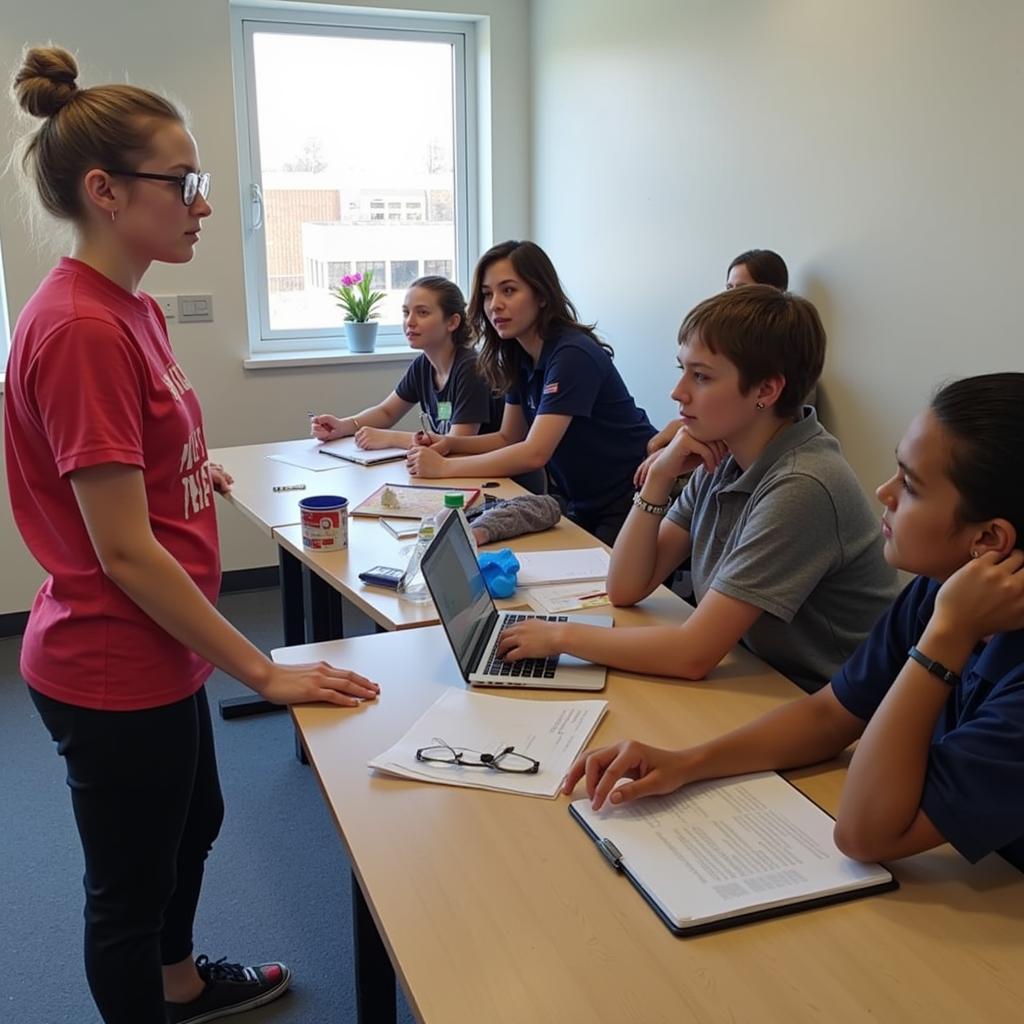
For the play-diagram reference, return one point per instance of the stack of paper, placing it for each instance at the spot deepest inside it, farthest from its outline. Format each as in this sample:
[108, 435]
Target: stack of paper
[573, 566]
[551, 732]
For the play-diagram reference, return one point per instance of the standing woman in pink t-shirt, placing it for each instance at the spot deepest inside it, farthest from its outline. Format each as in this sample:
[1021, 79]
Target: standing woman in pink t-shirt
[112, 491]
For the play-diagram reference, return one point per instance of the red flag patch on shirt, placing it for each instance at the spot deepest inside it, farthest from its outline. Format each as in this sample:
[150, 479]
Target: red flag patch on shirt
[550, 389]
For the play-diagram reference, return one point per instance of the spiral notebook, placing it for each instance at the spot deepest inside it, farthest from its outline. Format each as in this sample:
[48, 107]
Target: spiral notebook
[727, 851]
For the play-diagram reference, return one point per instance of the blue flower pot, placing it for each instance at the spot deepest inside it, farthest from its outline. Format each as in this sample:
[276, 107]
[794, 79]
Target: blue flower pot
[361, 337]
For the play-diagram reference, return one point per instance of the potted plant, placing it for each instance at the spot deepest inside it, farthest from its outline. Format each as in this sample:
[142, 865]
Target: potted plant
[360, 304]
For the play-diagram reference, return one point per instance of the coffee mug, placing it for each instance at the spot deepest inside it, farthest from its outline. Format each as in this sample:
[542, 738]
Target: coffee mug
[324, 522]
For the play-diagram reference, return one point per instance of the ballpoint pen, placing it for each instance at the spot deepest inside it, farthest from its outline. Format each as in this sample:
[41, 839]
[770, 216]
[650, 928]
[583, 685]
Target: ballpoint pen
[289, 487]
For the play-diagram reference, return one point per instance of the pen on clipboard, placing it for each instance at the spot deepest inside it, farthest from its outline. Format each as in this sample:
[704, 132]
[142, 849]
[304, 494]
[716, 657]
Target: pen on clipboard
[587, 597]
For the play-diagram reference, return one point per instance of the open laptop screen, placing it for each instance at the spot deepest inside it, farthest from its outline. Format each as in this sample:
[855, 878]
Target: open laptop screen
[459, 592]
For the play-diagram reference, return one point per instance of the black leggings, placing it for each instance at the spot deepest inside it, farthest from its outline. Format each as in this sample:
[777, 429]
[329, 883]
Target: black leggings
[148, 806]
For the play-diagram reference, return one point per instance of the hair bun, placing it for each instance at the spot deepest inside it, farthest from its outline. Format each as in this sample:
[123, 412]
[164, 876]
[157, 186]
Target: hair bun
[46, 80]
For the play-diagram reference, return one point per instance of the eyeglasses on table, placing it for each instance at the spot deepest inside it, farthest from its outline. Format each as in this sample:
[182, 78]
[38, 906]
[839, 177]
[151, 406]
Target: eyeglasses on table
[506, 759]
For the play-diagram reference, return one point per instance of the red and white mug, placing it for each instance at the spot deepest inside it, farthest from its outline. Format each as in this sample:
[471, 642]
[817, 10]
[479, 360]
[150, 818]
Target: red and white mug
[324, 522]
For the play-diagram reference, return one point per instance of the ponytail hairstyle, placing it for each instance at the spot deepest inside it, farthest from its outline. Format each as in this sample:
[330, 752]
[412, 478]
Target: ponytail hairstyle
[764, 266]
[104, 126]
[985, 418]
[500, 360]
[451, 300]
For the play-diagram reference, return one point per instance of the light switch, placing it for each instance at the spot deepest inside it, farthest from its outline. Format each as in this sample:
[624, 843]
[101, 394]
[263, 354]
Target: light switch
[195, 309]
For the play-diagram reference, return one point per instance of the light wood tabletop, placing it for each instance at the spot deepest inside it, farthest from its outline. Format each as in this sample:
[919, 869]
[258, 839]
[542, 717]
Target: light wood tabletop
[370, 544]
[498, 908]
[256, 475]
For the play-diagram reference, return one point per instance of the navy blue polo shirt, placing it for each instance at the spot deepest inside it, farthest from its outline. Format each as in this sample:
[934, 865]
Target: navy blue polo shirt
[465, 398]
[594, 463]
[974, 787]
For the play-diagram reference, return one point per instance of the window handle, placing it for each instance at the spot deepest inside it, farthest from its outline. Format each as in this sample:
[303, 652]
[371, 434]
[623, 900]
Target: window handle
[256, 198]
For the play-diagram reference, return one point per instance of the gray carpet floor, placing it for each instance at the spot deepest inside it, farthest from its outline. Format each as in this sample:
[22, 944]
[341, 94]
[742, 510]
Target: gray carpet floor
[277, 881]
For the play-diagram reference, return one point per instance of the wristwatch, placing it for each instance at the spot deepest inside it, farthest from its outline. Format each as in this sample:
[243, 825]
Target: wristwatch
[655, 510]
[948, 676]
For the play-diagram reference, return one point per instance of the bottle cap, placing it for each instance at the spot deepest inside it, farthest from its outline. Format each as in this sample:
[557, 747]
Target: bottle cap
[454, 500]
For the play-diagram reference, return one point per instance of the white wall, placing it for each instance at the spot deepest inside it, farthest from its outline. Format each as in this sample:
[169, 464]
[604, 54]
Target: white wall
[183, 49]
[876, 145]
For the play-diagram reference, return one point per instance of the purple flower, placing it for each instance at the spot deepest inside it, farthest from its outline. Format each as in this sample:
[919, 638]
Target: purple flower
[348, 280]
[356, 278]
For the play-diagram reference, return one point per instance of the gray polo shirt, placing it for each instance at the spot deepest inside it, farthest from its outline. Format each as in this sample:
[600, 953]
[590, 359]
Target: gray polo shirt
[796, 536]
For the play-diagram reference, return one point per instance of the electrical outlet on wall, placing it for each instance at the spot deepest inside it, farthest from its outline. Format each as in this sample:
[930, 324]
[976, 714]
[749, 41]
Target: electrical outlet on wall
[169, 304]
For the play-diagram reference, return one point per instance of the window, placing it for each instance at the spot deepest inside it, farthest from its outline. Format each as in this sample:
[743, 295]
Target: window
[403, 273]
[437, 268]
[336, 270]
[376, 267]
[343, 176]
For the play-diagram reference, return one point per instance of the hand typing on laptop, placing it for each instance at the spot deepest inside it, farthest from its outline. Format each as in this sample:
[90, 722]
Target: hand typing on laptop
[533, 638]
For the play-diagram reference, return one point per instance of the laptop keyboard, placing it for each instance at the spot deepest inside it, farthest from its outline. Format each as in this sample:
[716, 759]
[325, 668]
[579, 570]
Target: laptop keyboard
[528, 668]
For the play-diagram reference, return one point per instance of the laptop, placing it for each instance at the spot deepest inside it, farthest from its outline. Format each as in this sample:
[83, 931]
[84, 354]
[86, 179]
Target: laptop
[473, 624]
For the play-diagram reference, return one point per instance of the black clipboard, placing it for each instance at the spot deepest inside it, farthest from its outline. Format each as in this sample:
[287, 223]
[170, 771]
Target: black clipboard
[614, 858]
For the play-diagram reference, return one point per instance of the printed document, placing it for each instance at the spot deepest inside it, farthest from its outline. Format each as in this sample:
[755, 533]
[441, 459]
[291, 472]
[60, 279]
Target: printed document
[716, 849]
[552, 732]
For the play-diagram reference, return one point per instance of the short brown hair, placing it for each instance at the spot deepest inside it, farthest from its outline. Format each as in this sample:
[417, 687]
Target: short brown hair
[764, 333]
[105, 126]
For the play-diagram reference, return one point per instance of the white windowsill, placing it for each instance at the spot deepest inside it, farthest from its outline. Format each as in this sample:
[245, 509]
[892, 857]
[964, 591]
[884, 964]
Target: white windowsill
[326, 357]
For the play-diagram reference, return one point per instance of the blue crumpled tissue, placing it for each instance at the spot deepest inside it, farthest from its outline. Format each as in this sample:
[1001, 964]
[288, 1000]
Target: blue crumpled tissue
[499, 569]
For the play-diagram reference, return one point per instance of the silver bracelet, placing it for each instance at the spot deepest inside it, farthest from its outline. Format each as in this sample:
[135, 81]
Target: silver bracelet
[654, 510]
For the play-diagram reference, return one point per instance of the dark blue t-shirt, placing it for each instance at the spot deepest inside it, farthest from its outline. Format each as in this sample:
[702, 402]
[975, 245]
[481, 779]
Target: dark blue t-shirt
[594, 463]
[465, 397]
[974, 786]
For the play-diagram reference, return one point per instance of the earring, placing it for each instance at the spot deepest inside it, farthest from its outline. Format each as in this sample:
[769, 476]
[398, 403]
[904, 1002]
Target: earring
[113, 216]
[760, 405]
[974, 554]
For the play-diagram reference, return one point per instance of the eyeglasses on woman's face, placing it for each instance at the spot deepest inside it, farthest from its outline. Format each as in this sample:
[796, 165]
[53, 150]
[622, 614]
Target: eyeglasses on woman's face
[192, 184]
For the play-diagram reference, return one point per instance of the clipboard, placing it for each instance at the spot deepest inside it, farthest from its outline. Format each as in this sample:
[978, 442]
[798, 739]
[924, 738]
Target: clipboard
[617, 860]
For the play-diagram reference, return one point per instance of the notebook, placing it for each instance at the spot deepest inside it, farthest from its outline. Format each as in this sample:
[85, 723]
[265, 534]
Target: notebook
[576, 565]
[401, 529]
[473, 624]
[347, 449]
[727, 851]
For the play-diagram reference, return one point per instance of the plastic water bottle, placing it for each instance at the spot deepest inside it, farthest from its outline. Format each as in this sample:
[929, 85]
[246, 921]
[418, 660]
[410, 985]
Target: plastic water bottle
[412, 585]
[455, 504]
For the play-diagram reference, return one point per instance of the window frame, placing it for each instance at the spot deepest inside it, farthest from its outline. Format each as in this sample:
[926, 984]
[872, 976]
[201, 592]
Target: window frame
[285, 19]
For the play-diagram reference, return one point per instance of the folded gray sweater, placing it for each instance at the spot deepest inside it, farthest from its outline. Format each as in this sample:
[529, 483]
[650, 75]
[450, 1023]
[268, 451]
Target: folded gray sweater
[511, 517]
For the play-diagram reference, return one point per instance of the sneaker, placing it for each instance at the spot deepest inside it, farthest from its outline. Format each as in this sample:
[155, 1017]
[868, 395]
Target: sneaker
[230, 988]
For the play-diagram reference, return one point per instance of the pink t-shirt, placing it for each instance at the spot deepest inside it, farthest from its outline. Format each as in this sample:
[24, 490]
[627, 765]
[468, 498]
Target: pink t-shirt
[92, 380]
